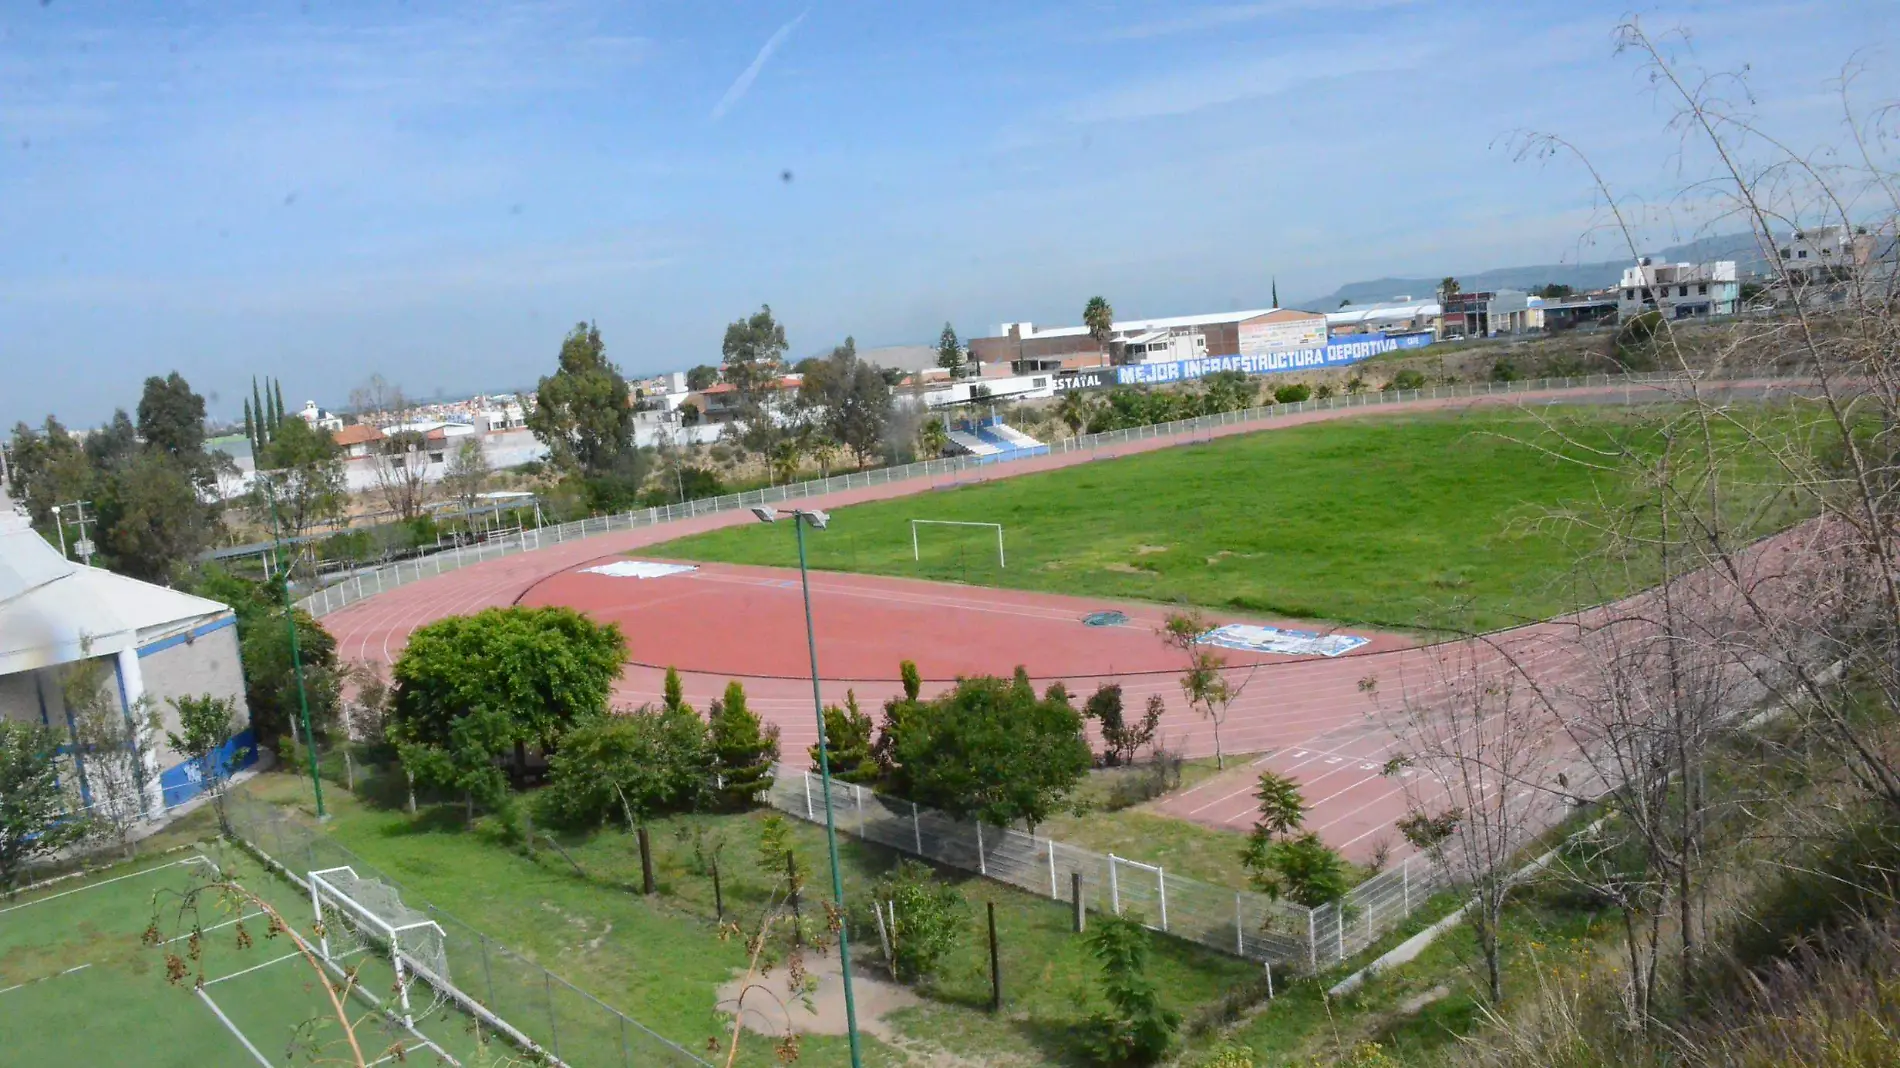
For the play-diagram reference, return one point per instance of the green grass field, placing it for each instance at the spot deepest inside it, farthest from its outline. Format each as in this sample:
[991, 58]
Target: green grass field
[1406, 521]
[662, 961]
[80, 985]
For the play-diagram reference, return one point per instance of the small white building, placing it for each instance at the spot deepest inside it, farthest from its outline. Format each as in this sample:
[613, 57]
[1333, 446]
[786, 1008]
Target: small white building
[979, 390]
[320, 418]
[153, 645]
[1679, 290]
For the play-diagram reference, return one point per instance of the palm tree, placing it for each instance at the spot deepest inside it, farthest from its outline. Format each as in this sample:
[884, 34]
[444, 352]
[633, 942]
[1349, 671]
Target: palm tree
[785, 457]
[825, 451]
[1075, 409]
[932, 438]
[1099, 317]
[1449, 288]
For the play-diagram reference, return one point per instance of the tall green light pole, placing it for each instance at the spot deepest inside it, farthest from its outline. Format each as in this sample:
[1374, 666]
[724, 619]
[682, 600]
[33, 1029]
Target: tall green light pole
[818, 520]
[296, 655]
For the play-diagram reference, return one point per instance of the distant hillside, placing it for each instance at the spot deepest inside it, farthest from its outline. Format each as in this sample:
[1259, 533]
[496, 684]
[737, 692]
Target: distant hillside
[1738, 247]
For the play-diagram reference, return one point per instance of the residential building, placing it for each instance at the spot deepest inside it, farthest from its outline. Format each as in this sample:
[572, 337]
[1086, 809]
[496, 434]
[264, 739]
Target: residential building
[1826, 253]
[357, 440]
[319, 417]
[1029, 350]
[1679, 290]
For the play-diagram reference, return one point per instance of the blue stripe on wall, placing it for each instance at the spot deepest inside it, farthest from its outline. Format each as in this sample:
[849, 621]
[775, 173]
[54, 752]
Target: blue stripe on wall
[179, 639]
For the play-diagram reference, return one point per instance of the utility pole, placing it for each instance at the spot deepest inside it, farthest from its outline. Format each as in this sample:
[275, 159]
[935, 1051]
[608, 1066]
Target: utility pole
[296, 655]
[83, 546]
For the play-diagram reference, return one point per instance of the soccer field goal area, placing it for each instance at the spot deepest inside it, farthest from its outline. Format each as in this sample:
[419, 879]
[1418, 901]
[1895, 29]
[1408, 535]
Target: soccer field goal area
[916, 539]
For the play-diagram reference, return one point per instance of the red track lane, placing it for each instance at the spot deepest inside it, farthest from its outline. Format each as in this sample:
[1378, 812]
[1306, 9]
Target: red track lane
[1305, 717]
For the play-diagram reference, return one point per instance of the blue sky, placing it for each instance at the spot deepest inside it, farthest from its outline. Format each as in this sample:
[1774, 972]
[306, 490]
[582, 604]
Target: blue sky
[437, 191]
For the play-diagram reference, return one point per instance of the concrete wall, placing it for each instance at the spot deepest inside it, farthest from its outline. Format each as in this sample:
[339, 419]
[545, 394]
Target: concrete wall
[206, 664]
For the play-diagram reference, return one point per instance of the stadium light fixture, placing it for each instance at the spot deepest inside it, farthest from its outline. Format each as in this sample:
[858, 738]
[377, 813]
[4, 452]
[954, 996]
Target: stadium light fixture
[819, 520]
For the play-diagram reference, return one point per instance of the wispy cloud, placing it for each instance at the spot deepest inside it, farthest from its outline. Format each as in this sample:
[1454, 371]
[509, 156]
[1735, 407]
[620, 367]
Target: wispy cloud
[1225, 15]
[1195, 88]
[743, 83]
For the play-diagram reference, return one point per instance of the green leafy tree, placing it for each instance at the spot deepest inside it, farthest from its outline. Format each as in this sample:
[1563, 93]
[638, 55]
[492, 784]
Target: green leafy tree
[847, 743]
[581, 411]
[743, 750]
[1282, 808]
[113, 445]
[897, 713]
[950, 352]
[1122, 739]
[172, 419]
[754, 353]
[35, 802]
[927, 918]
[1099, 317]
[932, 438]
[469, 688]
[1136, 1029]
[852, 399]
[48, 468]
[301, 472]
[1301, 869]
[632, 765]
[700, 377]
[1293, 394]
[152, 521]
[206, 725]
[1075, 410]
[673, 693]
[1405, 380]
[1204, 683]
[991, 749]
[1229, 391]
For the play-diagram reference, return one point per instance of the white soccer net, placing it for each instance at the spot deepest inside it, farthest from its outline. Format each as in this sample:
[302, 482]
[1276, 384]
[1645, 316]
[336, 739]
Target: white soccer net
[360, 914]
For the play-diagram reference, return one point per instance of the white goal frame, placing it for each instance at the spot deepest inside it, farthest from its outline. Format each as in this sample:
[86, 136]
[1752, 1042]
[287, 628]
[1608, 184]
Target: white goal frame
[916, 552]
[322, 890]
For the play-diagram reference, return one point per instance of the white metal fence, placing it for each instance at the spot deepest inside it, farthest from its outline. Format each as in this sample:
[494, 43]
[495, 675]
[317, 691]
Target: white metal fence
[368, 583]
[1241, 922]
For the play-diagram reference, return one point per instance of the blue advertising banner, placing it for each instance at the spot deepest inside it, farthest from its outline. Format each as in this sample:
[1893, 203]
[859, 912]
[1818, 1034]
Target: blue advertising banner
[1333, 354]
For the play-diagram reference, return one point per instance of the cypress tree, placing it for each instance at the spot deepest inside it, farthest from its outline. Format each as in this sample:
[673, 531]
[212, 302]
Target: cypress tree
[743, 751]
[674, 695]
[257, 409]
[250, 428]
[277, 388]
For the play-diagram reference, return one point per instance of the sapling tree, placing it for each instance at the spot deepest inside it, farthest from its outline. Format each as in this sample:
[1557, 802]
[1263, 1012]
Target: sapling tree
[37, 815]
[206, 726]
[1205, 683]
[1136, 1029]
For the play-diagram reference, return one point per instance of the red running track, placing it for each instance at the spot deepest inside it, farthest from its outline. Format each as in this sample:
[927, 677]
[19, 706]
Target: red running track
[1306, 717]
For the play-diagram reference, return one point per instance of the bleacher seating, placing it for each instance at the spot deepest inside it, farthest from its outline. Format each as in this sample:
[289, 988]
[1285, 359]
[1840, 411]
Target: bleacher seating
[966, 442]
[1010, 437]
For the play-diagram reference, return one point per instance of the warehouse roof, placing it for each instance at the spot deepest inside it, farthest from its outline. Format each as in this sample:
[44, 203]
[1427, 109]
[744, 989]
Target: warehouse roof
[53, 611]
[1127, 326]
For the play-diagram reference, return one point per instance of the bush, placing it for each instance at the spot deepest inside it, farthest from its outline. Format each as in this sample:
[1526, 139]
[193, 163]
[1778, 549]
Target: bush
[1635, 343]
[1406, 380]
[926, 919]
[1293, 394]
[1505, 371]
[1136, 1029]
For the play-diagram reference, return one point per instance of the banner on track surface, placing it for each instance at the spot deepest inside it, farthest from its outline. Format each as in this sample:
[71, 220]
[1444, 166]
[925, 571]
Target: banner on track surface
[640, 569]
[1252, 639]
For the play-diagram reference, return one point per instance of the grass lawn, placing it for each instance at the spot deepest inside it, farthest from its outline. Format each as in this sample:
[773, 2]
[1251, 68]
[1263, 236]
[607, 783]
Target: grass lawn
[78, 984]
[661, 960]
[1398, 521]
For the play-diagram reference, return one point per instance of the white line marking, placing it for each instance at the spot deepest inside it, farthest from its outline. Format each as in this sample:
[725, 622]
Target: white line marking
[226, 1020]
[91, 886]
[213, 927]
[44, 978]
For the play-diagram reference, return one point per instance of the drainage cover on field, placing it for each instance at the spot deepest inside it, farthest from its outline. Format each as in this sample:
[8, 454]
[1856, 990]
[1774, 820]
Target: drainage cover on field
[640, 569]
[1110, 618]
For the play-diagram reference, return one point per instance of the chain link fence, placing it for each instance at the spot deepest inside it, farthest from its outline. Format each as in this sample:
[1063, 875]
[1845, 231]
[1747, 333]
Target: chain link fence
[1244, 923]
[534, 1007]
[372, 581]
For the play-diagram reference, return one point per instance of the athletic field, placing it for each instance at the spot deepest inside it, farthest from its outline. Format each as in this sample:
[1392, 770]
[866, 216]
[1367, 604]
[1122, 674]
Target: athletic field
[84, 963]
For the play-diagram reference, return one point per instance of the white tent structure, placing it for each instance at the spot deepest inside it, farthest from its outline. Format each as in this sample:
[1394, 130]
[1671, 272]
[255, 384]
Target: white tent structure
[159, 644]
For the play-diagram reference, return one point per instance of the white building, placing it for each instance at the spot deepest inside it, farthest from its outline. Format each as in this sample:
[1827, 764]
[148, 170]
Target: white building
[153, 645]
[320, 418]
[1679, 290]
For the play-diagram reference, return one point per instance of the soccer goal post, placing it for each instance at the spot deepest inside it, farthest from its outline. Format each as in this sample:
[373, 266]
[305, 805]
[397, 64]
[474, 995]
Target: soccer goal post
[916, 549]
[369, 914]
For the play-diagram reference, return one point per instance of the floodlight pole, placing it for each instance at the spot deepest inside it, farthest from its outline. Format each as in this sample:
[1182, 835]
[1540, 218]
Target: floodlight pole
[296, 655]
[824, 773]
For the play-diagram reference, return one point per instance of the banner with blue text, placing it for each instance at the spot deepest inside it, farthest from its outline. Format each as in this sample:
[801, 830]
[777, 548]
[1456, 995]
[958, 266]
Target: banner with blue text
[1333, 354]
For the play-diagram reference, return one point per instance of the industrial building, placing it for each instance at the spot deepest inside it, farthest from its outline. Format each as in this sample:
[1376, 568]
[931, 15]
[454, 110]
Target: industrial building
[1029, 350]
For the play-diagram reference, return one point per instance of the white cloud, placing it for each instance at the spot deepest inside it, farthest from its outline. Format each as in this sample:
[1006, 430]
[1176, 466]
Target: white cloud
[1198, 87]
[1225, 15]
[743, 83]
